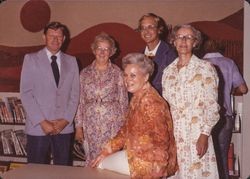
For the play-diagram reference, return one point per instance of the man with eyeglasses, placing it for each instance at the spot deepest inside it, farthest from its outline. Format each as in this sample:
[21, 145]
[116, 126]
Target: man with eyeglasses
[153, 30]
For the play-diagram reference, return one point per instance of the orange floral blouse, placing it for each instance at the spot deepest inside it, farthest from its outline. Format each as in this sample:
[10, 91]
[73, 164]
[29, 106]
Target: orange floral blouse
[148, 137]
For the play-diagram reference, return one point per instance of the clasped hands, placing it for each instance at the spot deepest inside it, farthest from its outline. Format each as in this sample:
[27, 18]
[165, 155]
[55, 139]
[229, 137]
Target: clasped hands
[53, 127]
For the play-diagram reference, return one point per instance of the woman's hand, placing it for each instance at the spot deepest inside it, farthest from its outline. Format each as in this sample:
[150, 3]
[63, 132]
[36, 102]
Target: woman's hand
[79, 135]
[94, 163]
[202, 145]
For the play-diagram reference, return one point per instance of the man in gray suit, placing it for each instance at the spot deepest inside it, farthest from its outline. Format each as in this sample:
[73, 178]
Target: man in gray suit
[50, 94]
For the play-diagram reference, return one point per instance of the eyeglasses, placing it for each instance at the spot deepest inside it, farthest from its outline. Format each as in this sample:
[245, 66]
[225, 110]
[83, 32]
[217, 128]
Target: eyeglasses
[104, 49]
[149, 27]
[189, 38]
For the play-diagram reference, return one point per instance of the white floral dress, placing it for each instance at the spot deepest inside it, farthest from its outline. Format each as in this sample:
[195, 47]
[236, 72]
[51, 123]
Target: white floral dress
[192, 95]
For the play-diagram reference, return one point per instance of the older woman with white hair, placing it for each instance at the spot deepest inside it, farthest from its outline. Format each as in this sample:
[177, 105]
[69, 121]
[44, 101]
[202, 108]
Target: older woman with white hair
[147, 136]
[103, 99]
[190, 86]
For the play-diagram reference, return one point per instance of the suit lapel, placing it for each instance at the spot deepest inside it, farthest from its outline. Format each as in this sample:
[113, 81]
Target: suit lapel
[64, 69]
[160, 50]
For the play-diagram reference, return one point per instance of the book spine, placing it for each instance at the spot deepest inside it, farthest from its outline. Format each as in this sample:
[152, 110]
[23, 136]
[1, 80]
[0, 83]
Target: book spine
[231, 159]
[17, 146]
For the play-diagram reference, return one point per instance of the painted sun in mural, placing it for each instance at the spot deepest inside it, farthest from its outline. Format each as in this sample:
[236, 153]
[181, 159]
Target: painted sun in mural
[34, 15]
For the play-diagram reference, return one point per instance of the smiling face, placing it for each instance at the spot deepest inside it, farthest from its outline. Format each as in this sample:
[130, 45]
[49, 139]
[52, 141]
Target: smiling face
[53, 40]
[134, 78]
[185, 41]
[102, 51]
[149, 31]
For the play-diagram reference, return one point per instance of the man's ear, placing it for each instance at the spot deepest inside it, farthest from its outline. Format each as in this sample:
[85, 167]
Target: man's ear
[44, 37]
[159, 32]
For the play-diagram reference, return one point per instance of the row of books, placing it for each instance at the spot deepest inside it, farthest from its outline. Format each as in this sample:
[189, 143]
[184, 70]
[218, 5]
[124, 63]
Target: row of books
[13, 142]
[11, 111]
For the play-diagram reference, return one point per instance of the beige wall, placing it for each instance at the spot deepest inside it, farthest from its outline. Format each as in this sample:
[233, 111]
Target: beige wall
[245, 163]
[82, 14]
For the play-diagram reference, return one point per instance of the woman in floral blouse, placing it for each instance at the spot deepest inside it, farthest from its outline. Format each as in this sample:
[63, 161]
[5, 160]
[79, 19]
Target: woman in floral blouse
[147, 136]
[103, 98]
[190, 85]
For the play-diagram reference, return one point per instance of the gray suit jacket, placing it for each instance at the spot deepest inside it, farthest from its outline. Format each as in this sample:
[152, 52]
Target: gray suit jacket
[40, 96]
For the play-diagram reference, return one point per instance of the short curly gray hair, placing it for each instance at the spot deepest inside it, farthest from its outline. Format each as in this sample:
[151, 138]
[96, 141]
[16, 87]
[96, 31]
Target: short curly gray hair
[197, 34]
[104, 37]
[145, 64]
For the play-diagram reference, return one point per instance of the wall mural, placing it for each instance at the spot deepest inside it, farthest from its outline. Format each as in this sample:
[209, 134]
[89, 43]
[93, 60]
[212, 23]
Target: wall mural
[228, 31]
[35, 15]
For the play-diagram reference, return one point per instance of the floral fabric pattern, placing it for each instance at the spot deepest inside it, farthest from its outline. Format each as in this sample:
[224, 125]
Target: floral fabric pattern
[192, 94]
[147, 137]
[102, 107]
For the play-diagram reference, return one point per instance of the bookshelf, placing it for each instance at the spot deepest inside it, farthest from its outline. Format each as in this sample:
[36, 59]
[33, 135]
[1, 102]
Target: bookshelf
[16, 125]
[235, 164]
[10, 122]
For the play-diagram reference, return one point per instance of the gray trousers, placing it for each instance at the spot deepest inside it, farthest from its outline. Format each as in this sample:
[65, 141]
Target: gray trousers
[222, 134]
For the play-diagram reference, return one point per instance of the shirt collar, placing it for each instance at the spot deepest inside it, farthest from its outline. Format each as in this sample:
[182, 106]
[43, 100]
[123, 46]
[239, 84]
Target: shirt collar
[152, 52]
[213, 55]
[49, 54]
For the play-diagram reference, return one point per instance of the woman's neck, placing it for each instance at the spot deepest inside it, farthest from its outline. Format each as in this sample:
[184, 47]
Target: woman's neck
[144, 87]
[101, 66]
[184, 58]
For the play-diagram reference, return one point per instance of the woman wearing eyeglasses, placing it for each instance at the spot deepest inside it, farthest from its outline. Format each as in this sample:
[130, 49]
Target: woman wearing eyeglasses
[103, 99]
[190, 86]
